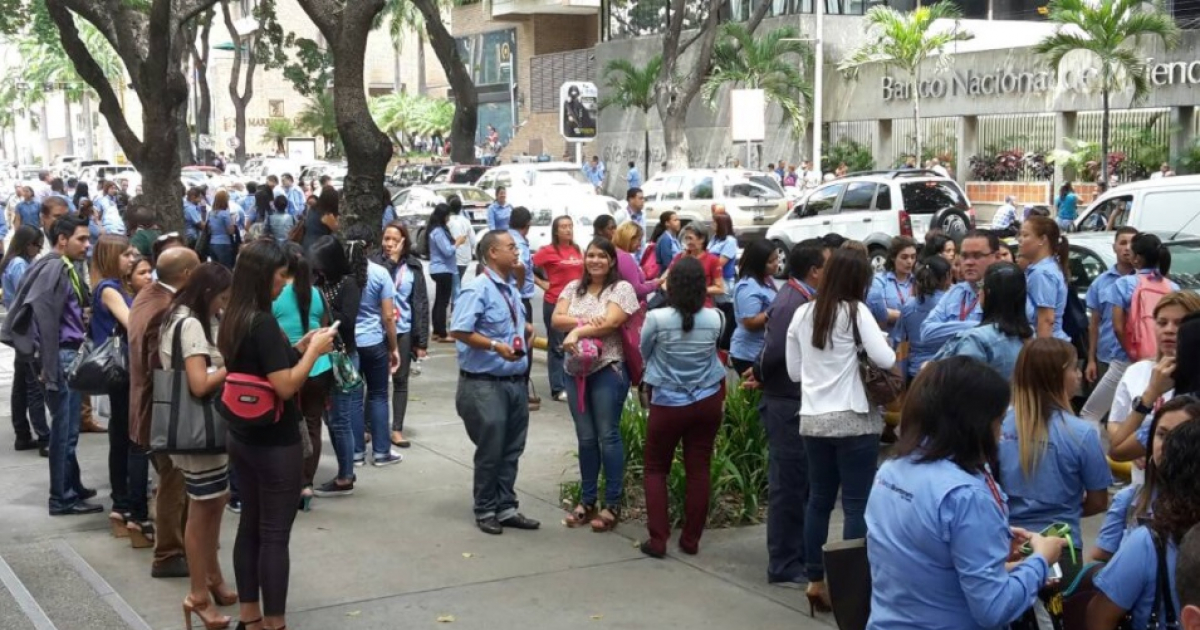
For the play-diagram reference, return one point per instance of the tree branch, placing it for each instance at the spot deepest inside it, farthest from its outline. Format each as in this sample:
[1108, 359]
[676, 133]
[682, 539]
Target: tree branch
[323, 13]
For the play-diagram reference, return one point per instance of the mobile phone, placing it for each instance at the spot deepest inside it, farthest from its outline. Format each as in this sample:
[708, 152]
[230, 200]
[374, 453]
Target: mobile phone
[1054, 530]
[1055, 572]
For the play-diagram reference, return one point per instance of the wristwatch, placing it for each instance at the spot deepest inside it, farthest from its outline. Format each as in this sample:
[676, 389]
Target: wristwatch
[493, 346]
[1141, 407]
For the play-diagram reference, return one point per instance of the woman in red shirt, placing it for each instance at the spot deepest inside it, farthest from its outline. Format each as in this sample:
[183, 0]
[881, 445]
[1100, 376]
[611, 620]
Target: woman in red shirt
[563, 262]
[695, 245]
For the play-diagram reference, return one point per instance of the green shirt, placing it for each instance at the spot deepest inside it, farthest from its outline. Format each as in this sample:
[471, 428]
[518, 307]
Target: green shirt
[144, 239]
[287, 311]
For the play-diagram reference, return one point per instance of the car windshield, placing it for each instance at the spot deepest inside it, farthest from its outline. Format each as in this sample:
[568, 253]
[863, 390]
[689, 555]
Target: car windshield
[1185, 264]
[560, 177]
[751, 189]
[542, 217]
[929, 197]
[468, 195]
[767, 182]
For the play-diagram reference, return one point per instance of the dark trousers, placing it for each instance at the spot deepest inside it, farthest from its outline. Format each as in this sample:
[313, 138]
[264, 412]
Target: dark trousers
[696, 425]
[125, 460]
[496, 416]
[314, 399]
[223, 254]
[28, 403]
[787, 495]
[170, 510]
[400, 381]
[443, 284]
[554, 352]
[270, 482]
[848, 463]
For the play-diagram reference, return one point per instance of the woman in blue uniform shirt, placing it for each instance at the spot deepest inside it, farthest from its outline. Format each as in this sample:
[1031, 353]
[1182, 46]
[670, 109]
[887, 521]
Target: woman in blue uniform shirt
[999, 337]
[1127, 584]
[752, 295]
[938, 537]
[1046, 250]
[932, 281]
[1051, 462]
[1152, 260]
[893, 288]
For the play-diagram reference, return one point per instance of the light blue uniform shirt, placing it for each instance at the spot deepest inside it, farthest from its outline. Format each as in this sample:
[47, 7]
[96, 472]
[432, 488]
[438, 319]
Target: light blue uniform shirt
[888, 293]
[218, 227]
[11, 281]
[402, 281]
[527, 289]
[937, 540]
[249, 210]
[666, 249]
[1121, 292]
[1130, 579]
[110, 215]
[30, 213]
[490, 306]
[1072, 464]
[64, 197]
[1116, 521]
[1108, 348]
[908, 328]
[191, 220]
[295, 199]
[441, 252]
[726, 247]
[987, 344]
[959, 310]
[368, 328]
[749, 300]
[389, 215]
[1047, 288]
[498, 216]
[634, 178]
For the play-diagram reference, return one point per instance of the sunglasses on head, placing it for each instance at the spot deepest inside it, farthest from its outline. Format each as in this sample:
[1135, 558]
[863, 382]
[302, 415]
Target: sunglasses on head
[168, 236]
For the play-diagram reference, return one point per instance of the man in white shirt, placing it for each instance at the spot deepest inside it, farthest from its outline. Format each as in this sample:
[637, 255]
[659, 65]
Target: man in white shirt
[809, 178]
[1164, 170]
[936, 166]
[460, 225]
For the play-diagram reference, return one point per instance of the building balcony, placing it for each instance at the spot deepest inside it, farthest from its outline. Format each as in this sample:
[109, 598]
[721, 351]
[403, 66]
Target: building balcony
[511, 8]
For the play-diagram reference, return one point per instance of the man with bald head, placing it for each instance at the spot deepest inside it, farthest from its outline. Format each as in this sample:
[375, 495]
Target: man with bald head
[175, 266]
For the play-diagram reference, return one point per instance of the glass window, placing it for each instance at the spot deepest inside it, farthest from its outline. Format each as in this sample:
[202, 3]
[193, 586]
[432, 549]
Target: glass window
[858, 197]
[768, 182]
[1185, 264]
[468, 195]
[1085, 266]
[504, 179]
[883, 199]
[399, 199]
[1115, 210]
[703, 189]
[750, 190]
[929, 197]
[559, 178]
[672, 189]
[821, 200]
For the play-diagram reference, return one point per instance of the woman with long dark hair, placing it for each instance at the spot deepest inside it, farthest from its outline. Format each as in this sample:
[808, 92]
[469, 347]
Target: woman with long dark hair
[594, 308]
[268, 459]
[263, 205]
[442, 267]
[323, 218]
[28, 399]
[81, 193]
[563, 262]
[930, 283]
[1052, 465]
[412, 317]
[341, 290]
[1152, 260]
[1047, 253]
[299, 309]
[1004, 329]
[936, 498]
[892, 288]
[753, 294]
[666, 239]
[687, 381]
[840, 426]
[192, 322]
[695, 241]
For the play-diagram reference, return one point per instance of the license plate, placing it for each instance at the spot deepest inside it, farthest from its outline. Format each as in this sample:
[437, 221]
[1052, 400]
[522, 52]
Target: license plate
[758, 212]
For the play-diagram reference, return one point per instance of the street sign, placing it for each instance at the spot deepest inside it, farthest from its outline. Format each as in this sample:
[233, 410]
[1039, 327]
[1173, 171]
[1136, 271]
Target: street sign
[233, 143]
[747, 115]
[205, 142]
[577, 111]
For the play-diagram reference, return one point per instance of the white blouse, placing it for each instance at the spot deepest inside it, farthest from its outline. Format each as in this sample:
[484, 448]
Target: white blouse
[829, 378]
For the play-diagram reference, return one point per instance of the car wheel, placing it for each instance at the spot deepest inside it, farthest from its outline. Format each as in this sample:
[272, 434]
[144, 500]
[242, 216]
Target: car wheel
[878, 258]
[954, 223]
[781, 252]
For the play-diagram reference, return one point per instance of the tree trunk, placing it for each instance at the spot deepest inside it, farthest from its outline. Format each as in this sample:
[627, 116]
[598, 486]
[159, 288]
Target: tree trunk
[466, 99]
[675, 138]
[70, 125]
[421, 63]
[1104, 130]
[44, 127]
[646, 144]
[89, 134]
[183, 138]
[204, 107]
[240, 100]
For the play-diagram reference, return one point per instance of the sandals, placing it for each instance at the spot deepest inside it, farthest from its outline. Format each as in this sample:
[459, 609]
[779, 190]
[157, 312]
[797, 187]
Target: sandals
[581, 515]
[606, 520]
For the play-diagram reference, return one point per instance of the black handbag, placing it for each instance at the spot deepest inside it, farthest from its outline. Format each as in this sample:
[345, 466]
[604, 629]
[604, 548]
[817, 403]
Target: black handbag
[181, 423]
[848, 576]
[96, 369]
[882, 386]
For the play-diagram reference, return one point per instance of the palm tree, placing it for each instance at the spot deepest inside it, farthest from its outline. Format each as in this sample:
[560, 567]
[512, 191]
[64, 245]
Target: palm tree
[631, 87]
[320, 119]
[278, 130]
[1111, 32]
[403, 16]
[906, 40]
[404, 116]
[768, 63]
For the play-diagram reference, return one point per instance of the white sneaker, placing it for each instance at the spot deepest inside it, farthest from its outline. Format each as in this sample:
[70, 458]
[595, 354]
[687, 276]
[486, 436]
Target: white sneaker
[561, 397]
[387, 460]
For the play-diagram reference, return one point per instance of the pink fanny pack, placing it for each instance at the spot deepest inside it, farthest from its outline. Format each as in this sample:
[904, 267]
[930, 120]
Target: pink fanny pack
[581, 365]
[249, 399]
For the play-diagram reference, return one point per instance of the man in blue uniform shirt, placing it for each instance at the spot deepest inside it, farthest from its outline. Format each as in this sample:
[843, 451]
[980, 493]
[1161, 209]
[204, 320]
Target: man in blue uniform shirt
[492, 335]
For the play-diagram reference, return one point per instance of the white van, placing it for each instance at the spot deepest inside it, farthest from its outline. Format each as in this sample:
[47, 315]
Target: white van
[1170, 205]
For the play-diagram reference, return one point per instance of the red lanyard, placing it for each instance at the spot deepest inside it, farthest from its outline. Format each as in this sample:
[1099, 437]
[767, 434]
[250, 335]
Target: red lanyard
[512, 308]
[995, 492]
[900, 294]
[800, 287]
[967, 309]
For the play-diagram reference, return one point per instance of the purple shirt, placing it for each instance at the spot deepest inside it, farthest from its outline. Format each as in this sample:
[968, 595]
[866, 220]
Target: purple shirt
[629, 271]
[71, 332]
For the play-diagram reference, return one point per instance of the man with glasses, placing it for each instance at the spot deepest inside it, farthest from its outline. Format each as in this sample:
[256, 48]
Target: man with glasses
[959, 308]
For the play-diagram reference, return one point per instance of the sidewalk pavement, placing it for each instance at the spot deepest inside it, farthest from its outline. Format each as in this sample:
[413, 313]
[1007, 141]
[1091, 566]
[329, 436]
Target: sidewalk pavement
[402, 552]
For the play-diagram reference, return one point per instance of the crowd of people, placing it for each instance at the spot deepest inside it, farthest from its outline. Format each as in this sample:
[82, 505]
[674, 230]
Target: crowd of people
[266, 289]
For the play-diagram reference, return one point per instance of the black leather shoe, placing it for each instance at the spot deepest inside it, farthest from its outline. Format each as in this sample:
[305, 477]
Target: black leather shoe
[87, 493]
[176, 567]
[81, 507]
[25, 444]
[44, 451]
[520, 521]
[489, 525]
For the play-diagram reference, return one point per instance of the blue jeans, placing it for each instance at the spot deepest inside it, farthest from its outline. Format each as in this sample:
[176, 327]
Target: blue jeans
[496, 416]
[374, 361]
[65, 482]
[456, 284]
[346, 411]
[849, 463]
[223, 253]
[554, 352]
[787, 494]
[598, 429]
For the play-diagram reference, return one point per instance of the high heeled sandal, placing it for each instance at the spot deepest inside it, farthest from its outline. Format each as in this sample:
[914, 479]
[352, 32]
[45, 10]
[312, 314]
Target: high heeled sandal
[601, 523]
[116, 521]
[141, 535]
[817, 603]
[222, 596]
[581, 515]
[193, 608]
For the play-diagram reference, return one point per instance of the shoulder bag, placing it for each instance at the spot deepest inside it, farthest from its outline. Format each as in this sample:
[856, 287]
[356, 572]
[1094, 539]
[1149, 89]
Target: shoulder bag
[881, 386]
[97, 368]
[180, 422]
[346, 377]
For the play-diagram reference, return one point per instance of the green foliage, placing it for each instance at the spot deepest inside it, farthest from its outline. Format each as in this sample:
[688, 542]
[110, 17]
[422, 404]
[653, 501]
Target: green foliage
[855, 155]
[45, 61]
[405, 115]
[1146, 150]
[770, 63]
[320, 119]
[304, 63]
[628, 86]
[738, 471]
[1189, 162]
[278, 130]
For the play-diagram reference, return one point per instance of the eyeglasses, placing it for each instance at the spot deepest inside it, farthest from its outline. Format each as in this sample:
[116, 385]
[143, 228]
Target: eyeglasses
[976, 255]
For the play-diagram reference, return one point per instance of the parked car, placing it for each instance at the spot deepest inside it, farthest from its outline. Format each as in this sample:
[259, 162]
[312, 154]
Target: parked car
[93, 175]
[459, 174]
[873, 207]
[414, 204]
[752, 200]
[558, 188]
[65, 165]
[1170, 205]
[405, 175]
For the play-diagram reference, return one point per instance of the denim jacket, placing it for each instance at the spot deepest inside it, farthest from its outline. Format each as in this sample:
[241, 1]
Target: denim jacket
[682, 361]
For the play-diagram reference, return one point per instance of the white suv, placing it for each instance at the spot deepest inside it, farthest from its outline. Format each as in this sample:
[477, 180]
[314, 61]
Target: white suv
[752, 200]
[875, 206]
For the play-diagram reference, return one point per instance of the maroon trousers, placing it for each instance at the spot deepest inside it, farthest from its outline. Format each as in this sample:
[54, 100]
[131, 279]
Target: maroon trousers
[696, 425]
